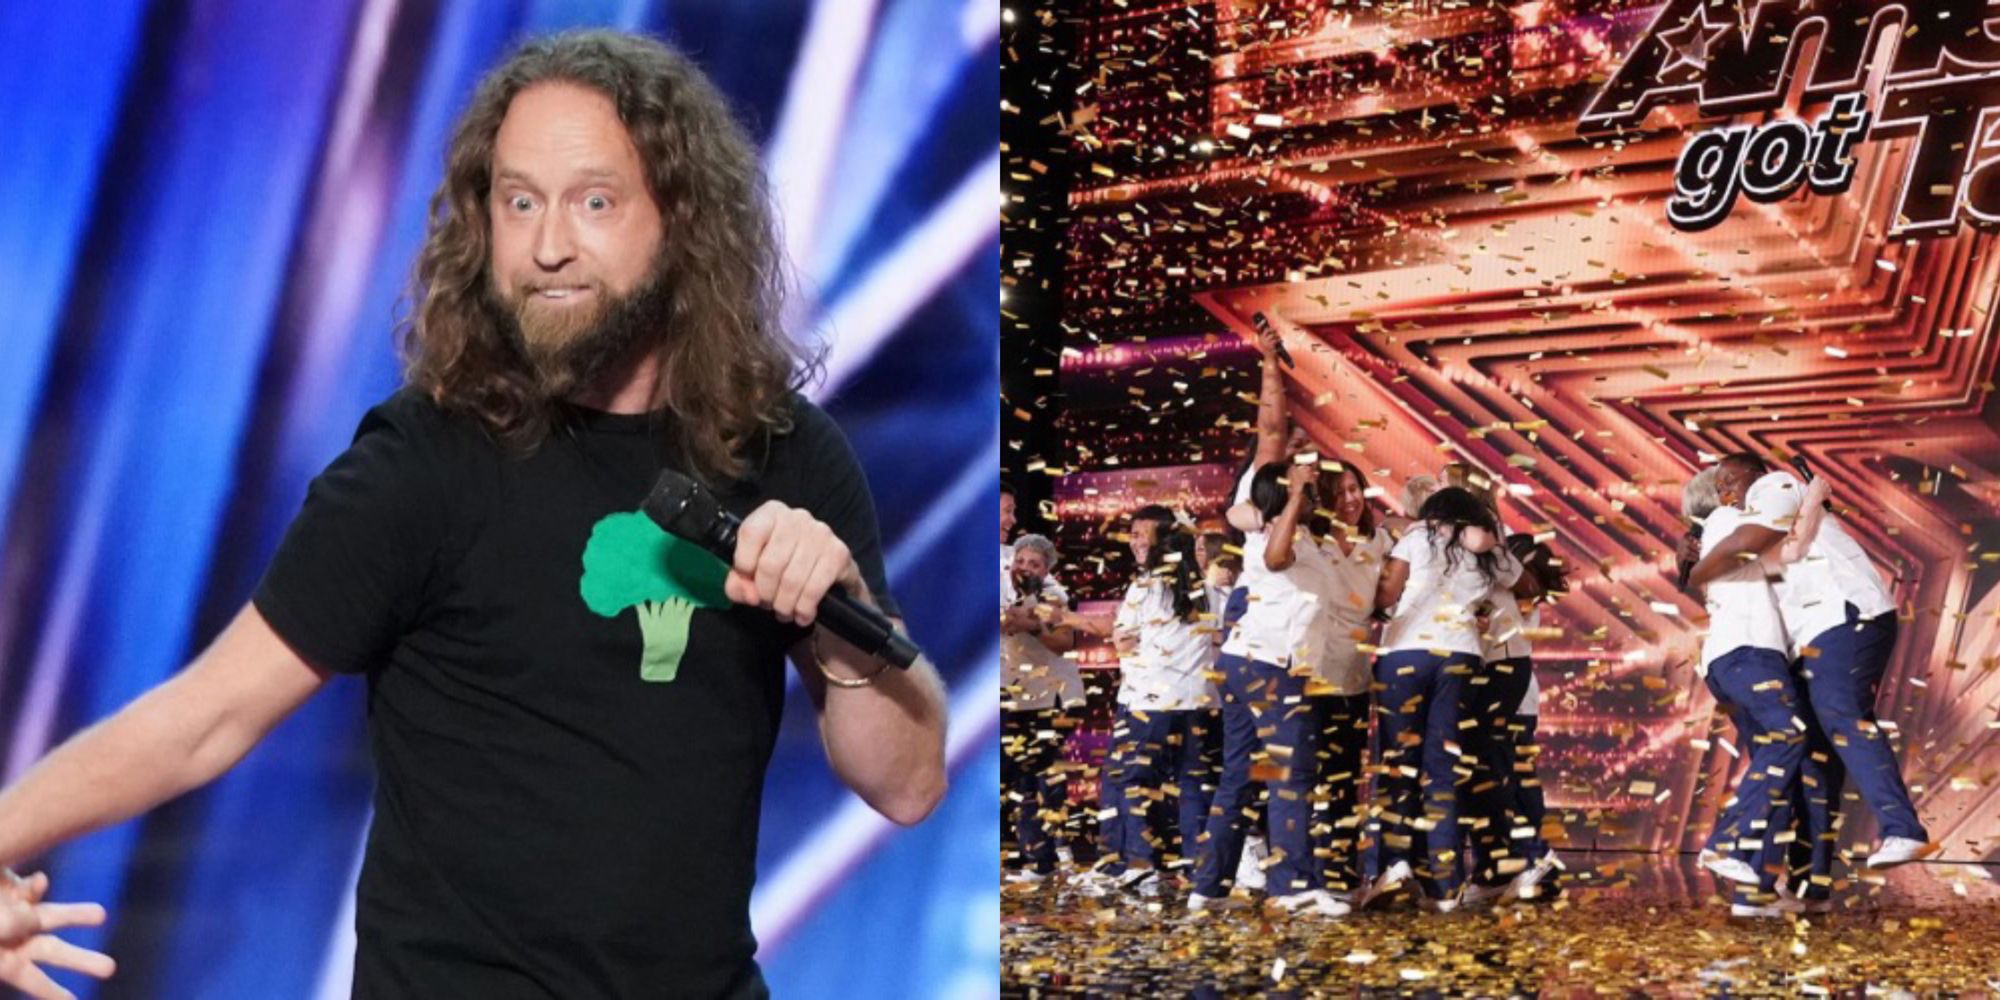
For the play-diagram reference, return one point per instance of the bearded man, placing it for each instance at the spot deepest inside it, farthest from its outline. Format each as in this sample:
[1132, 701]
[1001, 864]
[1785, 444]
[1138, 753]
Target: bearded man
[570, 711]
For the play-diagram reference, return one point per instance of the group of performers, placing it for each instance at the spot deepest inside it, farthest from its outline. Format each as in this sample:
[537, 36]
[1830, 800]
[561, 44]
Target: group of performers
[1262, 660]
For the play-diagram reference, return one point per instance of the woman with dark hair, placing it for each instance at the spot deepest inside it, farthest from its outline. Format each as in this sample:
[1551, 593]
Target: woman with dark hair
[1267, 664]
[1355, 547]
[1512, 856]
[1164, 729]
[1443, 569]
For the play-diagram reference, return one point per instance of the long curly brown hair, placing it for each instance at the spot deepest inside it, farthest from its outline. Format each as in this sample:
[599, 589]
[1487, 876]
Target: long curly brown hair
[726, 367]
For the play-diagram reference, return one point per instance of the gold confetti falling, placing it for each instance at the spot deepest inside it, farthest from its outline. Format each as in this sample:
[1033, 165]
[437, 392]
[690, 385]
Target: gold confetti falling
[1629, 927]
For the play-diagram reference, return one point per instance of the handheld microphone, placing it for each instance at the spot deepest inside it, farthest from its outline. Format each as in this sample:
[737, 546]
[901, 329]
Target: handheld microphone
[1264, 327]
[1688, 567]
[1805, 473]
[681, 507]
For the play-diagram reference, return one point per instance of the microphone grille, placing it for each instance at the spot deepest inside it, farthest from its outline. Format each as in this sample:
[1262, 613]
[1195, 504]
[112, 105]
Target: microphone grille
[679, 505]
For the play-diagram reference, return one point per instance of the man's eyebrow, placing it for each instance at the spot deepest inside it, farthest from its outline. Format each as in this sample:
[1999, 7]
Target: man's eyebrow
[588, 174]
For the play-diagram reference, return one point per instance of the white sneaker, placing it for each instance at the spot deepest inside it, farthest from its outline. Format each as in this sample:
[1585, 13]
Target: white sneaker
[1026, 875]
[1094, 882]
[1314, 902]
[1198, 903]
[1392, 880]
[1474, 896]
[1445, 905]
[1250, 870]
[1733, 869]
[1143, 881]
[1900, 850]
[1527, 884]
[1749, 912]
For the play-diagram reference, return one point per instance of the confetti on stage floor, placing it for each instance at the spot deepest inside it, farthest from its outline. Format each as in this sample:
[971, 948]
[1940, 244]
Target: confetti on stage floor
[1632, 925]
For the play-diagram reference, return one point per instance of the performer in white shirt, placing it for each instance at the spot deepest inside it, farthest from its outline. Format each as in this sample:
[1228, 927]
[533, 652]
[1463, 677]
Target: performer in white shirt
[1355, 549]
[1512, 856]
[1745, 667]
[1164, 696]
[1445, 566]
[1266, 663]
[1038, 686]
[1841, 619]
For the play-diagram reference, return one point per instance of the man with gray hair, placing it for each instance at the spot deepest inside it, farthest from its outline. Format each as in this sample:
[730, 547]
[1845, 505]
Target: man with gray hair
[1037, 683]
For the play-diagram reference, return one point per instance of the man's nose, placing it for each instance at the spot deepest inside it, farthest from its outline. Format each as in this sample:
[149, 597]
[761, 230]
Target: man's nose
[555, 242]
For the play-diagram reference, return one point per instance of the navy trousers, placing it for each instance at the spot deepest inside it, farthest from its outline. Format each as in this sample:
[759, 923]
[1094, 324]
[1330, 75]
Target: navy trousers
[1421, 764]
[1264, 710]
[1771, 729]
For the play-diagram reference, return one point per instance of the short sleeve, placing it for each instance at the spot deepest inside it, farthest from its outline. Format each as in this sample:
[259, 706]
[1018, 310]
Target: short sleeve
[1128, 609]
[1509, 570]
[842, 500]
[349, 577]
[1773, 501]
[1718, 525]
[1243, 482]
[1414, 546]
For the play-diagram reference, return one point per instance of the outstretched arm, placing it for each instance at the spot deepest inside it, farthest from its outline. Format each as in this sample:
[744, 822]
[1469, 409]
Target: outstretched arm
[174, 738]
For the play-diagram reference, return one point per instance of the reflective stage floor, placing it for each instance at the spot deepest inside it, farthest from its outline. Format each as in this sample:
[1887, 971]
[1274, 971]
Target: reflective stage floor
[1627, 924]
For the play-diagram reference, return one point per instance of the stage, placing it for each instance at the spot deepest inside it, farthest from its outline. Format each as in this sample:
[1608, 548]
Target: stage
[1635, 924]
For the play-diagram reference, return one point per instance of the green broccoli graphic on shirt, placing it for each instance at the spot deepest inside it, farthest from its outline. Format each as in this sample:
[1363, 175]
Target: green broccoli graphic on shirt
[631, 563]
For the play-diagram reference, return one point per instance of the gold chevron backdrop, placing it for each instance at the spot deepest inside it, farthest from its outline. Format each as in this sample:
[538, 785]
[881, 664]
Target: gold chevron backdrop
[1461, 276]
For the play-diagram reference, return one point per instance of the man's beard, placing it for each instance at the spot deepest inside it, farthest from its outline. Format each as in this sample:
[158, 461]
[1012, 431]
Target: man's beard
[570, 350]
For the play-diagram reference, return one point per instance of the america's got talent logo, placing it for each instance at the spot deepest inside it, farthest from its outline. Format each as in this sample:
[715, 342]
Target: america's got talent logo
[1732, 57]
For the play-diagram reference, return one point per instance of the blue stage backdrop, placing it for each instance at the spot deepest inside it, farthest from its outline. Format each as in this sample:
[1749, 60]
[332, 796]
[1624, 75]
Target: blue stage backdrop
[210, 210]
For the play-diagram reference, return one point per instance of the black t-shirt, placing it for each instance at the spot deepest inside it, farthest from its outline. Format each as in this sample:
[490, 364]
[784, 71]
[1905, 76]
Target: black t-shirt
[570, 723]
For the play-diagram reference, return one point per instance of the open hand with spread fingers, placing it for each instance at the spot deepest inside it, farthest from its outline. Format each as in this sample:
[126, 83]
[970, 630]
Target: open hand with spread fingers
[27, 944]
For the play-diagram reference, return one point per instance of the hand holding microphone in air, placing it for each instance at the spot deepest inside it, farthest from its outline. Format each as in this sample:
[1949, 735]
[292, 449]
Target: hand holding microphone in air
[1269, 342]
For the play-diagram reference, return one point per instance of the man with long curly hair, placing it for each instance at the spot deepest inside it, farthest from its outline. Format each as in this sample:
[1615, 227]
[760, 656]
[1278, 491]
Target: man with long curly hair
[571, 712]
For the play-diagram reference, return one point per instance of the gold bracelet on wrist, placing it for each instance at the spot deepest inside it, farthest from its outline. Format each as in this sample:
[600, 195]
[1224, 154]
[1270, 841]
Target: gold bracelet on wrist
[837, 680]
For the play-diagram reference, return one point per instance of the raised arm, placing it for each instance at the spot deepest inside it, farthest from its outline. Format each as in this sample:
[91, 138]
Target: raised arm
[1273, 424]
[1244, 517]
[1278, 552]
[1812, 512]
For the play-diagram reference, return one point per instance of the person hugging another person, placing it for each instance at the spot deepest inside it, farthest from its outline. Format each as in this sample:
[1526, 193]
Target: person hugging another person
[1512, 856]
[1743, 663]
[1443, 569]
[1840, 620]
[1272, 655]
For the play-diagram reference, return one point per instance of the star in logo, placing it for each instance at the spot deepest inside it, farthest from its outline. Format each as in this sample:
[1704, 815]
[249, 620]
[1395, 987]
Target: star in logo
[1694, 42]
